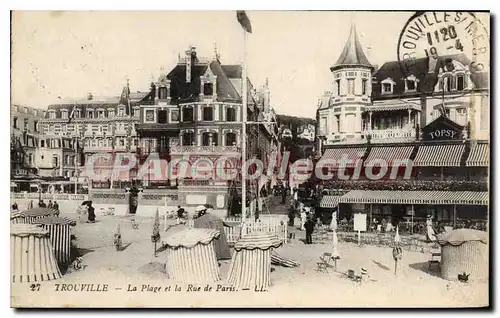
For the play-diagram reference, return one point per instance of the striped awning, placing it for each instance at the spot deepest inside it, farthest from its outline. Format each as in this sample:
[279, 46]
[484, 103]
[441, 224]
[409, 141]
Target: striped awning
[353, 154]
[329, 201]
[415, 197]
[388, 155]
[478, 156]
[439, 155]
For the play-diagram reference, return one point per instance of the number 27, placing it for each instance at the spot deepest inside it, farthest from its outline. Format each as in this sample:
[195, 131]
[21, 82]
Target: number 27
[35, 287]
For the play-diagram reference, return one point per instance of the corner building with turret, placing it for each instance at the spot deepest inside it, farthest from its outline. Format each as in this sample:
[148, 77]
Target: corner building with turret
[427, 121]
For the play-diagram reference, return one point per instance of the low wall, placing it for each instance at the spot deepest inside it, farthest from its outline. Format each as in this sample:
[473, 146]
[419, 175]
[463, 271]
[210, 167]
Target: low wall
[65, 206]
[68, 203]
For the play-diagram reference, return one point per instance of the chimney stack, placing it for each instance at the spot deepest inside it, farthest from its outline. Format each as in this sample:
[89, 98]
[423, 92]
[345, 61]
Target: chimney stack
[89, 96]
[190, 54]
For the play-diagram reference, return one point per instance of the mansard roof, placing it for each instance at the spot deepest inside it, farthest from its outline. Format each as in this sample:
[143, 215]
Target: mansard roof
[419, 68]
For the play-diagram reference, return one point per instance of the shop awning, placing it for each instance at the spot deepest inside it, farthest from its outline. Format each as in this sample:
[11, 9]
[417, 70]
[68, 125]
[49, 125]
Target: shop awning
[388, 154]
[439, 156]
[415, 197]
[352, 154]
[329, 201]
[478, 156]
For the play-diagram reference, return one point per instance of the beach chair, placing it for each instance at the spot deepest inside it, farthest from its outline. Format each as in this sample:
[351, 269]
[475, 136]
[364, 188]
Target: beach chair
[352, 276]
[435, 259]
[325, 262]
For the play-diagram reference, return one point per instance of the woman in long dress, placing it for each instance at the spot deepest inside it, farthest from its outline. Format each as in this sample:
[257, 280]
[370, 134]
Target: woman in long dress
[431, 234]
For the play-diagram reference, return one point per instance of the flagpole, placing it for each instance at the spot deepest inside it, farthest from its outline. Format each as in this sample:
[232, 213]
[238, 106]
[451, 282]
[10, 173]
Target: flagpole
[76, 156]
[244, 133]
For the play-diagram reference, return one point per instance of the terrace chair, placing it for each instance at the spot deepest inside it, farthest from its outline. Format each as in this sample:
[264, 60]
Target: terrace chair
[325, 262]
[352, 276]
[435, 259]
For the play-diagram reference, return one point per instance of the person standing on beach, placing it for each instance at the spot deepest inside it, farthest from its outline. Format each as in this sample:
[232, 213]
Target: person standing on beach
[309, 226]
[56, 208]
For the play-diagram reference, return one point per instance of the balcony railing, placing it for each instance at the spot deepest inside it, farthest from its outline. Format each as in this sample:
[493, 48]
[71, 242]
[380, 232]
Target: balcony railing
[204, 149]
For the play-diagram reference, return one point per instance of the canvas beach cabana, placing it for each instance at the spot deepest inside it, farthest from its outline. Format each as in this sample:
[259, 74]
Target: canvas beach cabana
[31, 254]
[251, 263]
[60, 236]
[28, 216]
[191, 255]
[464, 251]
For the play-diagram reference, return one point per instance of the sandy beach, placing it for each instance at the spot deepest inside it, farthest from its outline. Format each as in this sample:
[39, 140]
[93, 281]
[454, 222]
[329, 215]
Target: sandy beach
[119, 272]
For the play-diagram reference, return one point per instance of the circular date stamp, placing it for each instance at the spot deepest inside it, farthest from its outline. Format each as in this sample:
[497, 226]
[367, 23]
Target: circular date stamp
[436, 35]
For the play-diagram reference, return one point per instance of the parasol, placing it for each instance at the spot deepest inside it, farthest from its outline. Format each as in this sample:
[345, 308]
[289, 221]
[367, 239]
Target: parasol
[335, 252]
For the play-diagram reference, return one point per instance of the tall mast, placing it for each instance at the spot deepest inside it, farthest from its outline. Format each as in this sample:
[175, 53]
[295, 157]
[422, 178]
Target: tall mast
[244, 132]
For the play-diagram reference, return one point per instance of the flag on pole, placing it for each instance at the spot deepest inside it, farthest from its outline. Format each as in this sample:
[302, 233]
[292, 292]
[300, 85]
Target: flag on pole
[244, 20]
[72, 114]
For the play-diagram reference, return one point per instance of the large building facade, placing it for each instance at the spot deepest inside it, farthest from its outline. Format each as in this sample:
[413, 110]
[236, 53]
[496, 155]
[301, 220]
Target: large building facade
[194, 113]
[103, 125]
[433, 113]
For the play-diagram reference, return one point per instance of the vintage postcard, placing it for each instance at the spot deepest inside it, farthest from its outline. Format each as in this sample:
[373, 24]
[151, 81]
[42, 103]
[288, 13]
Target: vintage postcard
[250, 159]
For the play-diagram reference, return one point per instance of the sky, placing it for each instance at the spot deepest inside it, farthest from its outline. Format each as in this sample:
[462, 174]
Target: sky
[68, 54]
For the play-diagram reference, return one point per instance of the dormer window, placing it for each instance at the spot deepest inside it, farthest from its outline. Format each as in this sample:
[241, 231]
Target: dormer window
[52, 114]
[208, 89]
[64, 114]
[90, 114]
[111, 113]
[411, 83]
[121, 112]
[388, 86]
[446, 84]
[162, 93]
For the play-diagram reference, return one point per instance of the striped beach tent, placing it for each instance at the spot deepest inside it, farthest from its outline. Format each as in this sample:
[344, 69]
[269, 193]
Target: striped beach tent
[251, 263]
[31, 255]
[28, 216]
[191, 255]
[60, 235]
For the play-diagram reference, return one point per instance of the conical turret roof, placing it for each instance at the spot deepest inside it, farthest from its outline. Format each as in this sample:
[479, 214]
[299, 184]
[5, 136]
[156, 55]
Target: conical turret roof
[352, 54]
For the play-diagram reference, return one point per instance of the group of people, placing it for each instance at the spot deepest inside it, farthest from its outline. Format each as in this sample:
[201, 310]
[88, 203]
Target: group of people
[41, 204]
